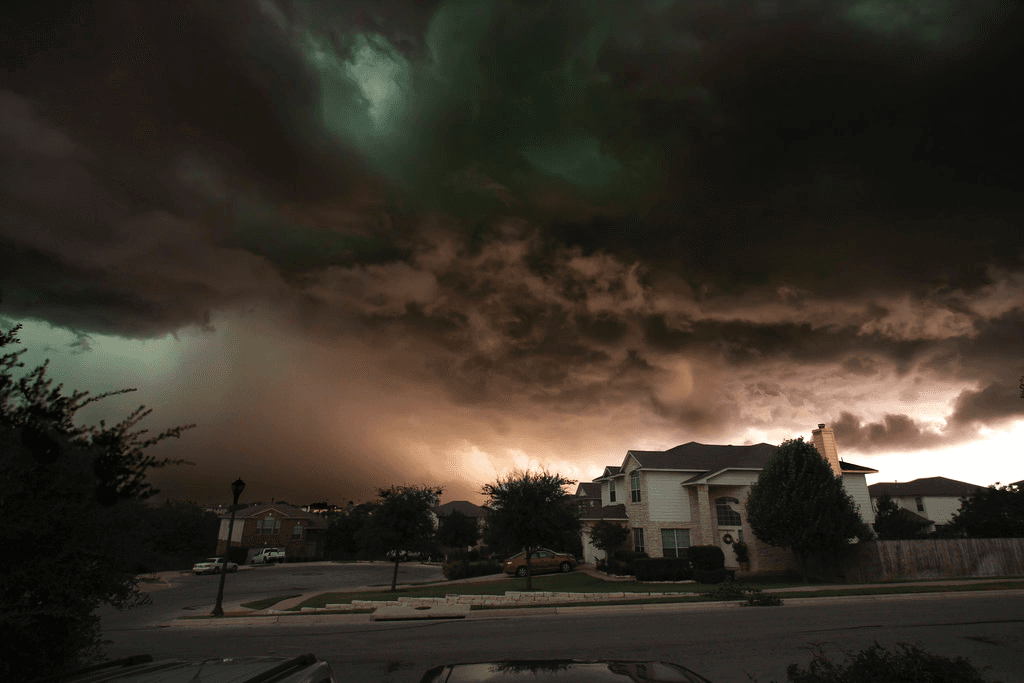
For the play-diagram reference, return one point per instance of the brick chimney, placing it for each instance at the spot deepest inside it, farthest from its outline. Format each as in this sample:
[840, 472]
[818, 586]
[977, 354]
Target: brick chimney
[825, 441]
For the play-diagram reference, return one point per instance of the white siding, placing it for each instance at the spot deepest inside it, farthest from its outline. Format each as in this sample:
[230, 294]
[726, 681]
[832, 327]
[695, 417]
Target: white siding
[857, 487]
[666, 499]
[730, 478]
[940, 510]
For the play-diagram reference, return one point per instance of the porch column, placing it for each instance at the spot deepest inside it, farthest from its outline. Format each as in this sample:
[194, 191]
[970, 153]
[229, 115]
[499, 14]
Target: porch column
[704, 515]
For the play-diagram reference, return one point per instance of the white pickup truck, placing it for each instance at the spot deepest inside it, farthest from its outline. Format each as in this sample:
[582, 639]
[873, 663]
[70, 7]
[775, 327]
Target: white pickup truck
[267, 556]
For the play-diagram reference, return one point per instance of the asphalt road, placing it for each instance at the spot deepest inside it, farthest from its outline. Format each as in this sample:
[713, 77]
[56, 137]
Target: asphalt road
[191, 595]
[724, 643]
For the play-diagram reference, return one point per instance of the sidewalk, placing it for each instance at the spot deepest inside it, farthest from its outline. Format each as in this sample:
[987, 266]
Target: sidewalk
[457, 605]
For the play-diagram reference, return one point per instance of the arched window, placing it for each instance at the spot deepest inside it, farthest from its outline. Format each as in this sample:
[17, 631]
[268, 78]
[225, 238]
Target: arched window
[727, 516]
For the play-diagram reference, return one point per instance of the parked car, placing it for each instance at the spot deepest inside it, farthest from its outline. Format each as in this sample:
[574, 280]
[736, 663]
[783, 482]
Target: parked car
[212, 565]
[267, 556]
[542, 560]
[404, 555]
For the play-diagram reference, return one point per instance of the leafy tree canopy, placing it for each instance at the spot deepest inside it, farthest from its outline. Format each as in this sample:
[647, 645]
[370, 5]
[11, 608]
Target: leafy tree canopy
[994, 512]
[530, 510]
[608, 536]
[458, 530]
[893, 523]
[401, 521]
[799, 503]
[71, 497]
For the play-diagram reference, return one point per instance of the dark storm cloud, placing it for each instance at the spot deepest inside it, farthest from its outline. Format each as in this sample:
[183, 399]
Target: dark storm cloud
[576, 205]
[995, 403]
[891, 433]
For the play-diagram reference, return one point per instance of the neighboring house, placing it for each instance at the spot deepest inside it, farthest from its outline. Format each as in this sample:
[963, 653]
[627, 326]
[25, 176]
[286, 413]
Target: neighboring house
[465, 507]
[694, 494]
[275, 525]
[936, 499]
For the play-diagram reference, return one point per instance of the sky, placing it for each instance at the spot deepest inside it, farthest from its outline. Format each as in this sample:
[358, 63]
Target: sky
[396, 241]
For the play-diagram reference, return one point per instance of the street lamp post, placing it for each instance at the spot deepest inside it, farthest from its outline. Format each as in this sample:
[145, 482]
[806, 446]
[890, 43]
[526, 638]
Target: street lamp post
[237, 487]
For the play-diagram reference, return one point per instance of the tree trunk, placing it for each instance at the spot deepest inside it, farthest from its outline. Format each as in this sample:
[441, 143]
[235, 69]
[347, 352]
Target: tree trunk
[394, 576]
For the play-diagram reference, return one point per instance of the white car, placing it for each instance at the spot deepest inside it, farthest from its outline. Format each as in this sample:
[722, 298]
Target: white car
[211, 565]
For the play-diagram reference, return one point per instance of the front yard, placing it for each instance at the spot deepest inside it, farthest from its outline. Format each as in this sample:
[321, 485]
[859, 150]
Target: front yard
[579, 582]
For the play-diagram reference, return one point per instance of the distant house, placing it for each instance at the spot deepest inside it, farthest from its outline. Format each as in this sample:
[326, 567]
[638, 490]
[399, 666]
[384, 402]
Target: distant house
[694, 494]
[935, 499]
[275, 525]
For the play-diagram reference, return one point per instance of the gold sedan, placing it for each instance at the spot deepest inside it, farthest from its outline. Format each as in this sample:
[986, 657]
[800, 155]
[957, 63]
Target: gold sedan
[543, 560]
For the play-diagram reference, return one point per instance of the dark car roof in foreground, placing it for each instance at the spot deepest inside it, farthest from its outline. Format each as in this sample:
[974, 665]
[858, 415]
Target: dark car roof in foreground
[562, 671]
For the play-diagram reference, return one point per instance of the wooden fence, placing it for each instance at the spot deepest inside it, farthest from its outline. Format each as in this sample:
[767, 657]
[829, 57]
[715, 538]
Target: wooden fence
[925, 559]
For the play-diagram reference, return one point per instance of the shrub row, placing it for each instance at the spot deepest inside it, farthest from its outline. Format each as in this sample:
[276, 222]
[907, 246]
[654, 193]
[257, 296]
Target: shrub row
[463, 569]
[663, 569]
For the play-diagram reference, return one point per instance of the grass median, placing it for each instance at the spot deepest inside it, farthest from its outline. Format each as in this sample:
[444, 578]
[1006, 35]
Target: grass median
[579, 582]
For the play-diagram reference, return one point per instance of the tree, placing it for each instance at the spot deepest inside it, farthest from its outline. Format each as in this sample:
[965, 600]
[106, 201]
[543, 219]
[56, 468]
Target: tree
[71, 498]
[342, 538]
[176, 534]
[798, 503]
[457, 530]
[530, 510]
[608, 536]
[893, 523]
[401, 522]
[994, 512]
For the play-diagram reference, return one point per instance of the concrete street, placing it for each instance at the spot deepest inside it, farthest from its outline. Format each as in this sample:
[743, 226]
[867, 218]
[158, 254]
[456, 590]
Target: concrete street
[721, 641]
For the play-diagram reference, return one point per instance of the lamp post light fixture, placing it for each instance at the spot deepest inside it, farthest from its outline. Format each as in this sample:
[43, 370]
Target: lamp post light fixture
[237, 487]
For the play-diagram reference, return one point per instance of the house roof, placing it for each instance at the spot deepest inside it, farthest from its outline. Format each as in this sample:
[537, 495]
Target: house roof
[463, 506]
[853, 469]
[704, 460]
[588, 489]
[609, 512]
[609, 471]
[286, 511]
[938, 487]
[698, 457]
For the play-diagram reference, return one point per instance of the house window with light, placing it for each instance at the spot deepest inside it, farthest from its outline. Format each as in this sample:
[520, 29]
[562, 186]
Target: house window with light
[268, 525]
[634, 486]
[727, 516]
[674, 542]
[638, 540]
[297, 531]
[611, 490]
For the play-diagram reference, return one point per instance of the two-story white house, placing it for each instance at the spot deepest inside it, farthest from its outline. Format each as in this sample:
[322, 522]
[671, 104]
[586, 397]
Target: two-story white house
[934, 499]
[695, 494]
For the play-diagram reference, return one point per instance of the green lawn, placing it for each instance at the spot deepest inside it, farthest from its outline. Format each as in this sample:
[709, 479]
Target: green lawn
[584, 583]
[577, 582]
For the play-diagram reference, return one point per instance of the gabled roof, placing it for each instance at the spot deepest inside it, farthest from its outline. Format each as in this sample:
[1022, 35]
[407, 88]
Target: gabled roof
[937, 487]
[854, 469]
[609, 512]
[284, 510]
[609, 471]
[588, 489]
[698, 457]
[463, 506]
[704, 460]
